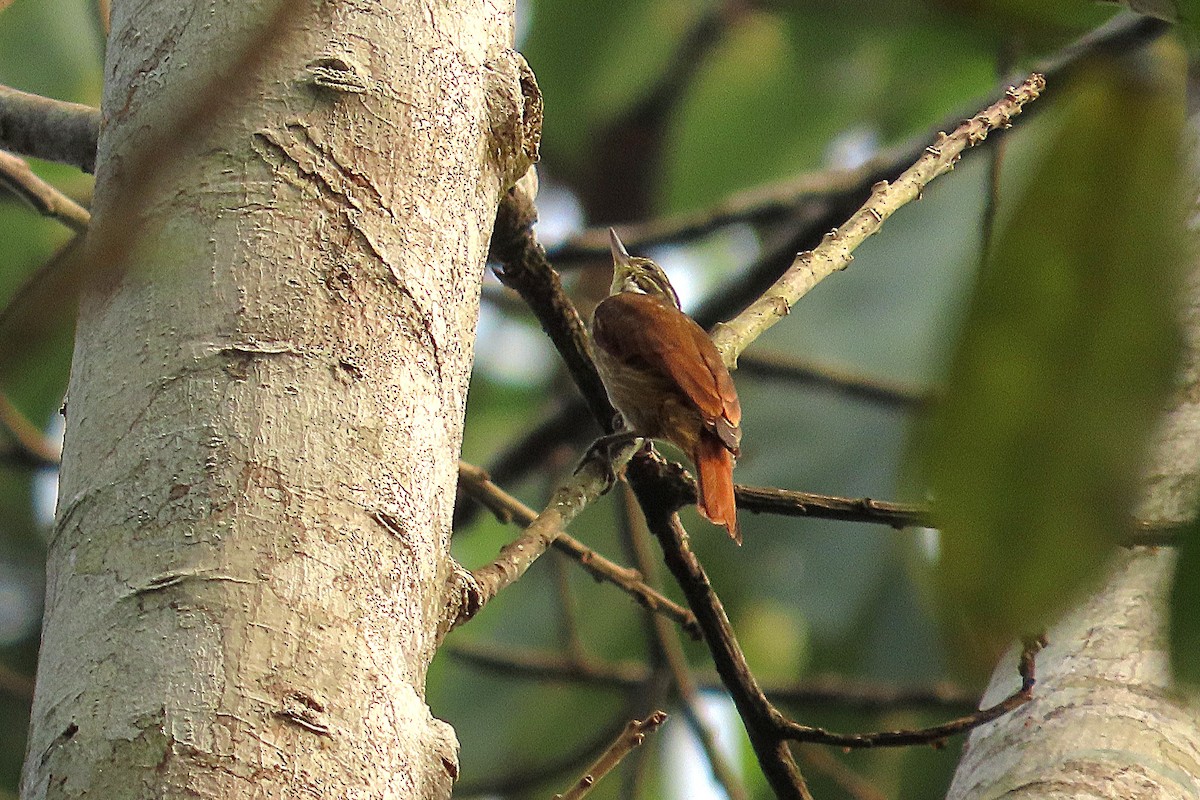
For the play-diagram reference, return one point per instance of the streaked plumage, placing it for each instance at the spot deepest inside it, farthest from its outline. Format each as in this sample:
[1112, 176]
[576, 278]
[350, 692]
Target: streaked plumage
[666, 378]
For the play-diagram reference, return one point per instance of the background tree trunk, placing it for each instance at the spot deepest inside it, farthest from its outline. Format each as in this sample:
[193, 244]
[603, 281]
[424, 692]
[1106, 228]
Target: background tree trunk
[248, 572]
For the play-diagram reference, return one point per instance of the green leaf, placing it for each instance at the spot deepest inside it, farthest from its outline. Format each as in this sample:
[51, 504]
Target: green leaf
[1185, 600]
[1065, 358]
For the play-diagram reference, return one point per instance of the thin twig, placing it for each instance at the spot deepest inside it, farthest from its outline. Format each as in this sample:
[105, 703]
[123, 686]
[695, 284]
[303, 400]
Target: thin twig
[633, 736]
[772, 365]
[792, 503]
[934, 735]
[546, 529]
[796, 732]
[834, 691]
[35, 447]
[48, 201]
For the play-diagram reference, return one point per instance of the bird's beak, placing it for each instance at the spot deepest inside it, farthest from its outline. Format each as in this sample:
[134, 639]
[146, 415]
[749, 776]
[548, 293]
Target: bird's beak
[619, 253]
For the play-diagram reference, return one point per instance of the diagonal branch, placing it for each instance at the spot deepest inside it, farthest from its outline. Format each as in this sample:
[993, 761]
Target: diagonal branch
[540, 532]
[632, 736]
[669, 650]
[17, 177]
[758, 715]
[836, 250]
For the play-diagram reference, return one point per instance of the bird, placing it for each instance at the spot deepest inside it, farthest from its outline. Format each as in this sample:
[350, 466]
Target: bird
[666, 378]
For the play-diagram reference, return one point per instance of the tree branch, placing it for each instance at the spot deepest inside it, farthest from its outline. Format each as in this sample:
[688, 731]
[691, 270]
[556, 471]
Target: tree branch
[835, 691]
[546, 529]
[758, 715]
[32, 125]
[835, 252]
[670, 651]
[632, 736]
[832, 189]
[18, 178]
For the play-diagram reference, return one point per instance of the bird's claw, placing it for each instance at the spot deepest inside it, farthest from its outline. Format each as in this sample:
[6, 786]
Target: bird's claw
[606, 451]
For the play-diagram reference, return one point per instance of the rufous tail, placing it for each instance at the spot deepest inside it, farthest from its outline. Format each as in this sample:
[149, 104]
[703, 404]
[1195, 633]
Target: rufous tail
[714, 487]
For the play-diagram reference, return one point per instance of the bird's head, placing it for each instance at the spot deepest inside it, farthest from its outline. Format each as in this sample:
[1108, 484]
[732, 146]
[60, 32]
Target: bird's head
[641, 275]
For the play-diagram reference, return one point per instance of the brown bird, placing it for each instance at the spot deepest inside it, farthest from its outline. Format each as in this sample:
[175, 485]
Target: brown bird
[666, 378]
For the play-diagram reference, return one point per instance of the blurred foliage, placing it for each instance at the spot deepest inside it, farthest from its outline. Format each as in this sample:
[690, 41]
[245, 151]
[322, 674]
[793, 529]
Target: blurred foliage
[1055, 318]
[1065, 356]
[1185, 599]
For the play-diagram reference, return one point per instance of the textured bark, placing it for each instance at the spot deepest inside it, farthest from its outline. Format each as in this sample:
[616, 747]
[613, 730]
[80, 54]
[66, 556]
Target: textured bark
[248, 574]
[1105, 722]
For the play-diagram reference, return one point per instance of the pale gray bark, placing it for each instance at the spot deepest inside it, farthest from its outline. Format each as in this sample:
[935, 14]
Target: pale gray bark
[248, 574]
[1105, 721]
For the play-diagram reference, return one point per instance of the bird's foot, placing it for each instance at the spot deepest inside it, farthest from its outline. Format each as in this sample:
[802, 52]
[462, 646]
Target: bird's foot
[609, 455]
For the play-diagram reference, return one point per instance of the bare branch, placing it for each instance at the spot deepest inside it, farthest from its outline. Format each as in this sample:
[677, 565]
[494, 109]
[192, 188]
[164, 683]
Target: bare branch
[32, 125]
[35, 448]
[758, 715]
[670, 651]
[933, 735]
[633, 736]
[836, 691]
[18, 178]
[546, 529]
[835, 252]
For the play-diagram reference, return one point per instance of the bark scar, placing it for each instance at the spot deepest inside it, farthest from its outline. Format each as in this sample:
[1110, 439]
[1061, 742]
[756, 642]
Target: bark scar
[175, 577]
[337, 74]
[305, 711]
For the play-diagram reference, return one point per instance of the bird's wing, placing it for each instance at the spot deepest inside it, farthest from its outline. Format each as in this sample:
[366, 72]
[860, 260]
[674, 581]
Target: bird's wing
[623, 326]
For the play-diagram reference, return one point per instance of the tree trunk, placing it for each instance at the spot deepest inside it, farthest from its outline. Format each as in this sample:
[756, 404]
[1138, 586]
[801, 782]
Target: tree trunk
[248, 574]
